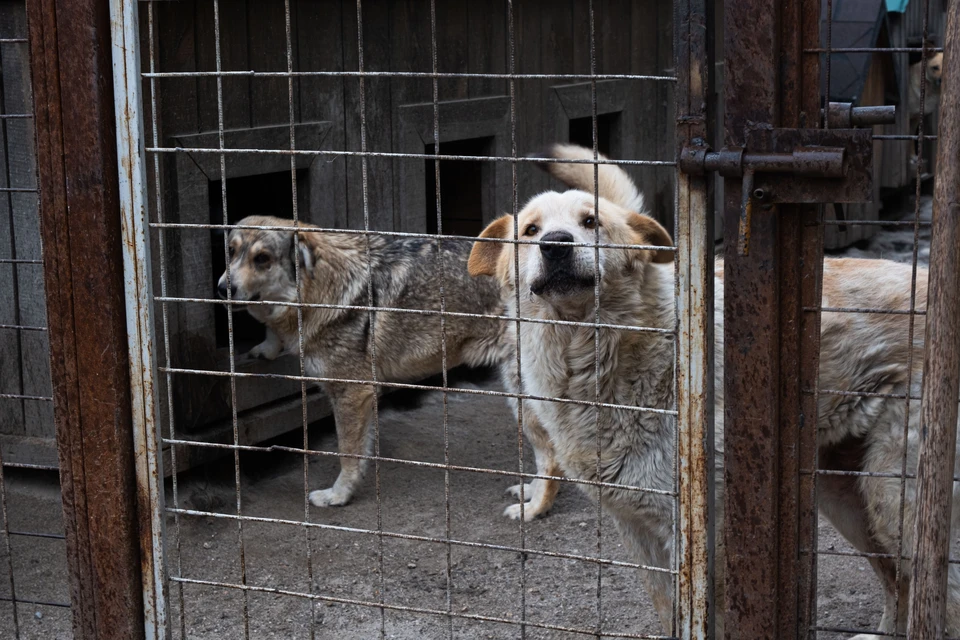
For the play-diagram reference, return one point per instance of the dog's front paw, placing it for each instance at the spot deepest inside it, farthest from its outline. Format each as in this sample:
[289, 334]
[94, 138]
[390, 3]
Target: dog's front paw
[527, 491]
[265, 351]
[328, 498]
[530, 512]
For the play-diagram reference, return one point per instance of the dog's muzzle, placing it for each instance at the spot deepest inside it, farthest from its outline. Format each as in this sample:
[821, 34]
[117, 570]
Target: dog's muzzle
[560, 275]
[222, 290]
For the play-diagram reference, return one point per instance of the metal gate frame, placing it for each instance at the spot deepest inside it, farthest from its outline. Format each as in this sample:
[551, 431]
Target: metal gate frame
[695, 318]
[770, 457]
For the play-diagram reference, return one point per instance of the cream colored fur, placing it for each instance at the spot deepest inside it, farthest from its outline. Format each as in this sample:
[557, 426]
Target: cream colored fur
[859, 352]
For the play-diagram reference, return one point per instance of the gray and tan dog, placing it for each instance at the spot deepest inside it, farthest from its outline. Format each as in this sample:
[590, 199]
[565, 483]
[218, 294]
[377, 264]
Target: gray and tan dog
[859, 353]
[339, 343]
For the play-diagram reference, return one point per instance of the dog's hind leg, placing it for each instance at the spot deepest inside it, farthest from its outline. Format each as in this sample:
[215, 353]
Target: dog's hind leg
[539, 494]
[352, 409]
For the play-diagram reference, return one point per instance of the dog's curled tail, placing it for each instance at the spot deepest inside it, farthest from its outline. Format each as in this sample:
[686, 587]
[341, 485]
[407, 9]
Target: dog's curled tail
[613, 182]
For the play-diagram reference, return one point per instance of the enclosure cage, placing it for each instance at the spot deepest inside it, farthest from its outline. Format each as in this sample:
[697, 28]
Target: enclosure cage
[188, 465]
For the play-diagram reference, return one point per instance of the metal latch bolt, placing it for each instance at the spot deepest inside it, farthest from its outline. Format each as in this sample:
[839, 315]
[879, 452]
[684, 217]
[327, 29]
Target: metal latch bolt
[817, 162]
[811, 165]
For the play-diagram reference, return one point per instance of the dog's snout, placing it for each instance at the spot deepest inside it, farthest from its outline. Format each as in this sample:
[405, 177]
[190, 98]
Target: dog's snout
[222, 290]
[556, 251]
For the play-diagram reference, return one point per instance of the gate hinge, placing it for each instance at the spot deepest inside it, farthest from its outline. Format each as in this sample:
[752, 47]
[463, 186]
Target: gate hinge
[796, 165]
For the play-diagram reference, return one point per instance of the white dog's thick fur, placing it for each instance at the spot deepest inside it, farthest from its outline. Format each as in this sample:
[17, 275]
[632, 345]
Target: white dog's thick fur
[859, 352]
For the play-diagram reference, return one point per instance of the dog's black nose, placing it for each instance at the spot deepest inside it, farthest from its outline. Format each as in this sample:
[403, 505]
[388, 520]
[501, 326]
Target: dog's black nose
[556, 251]
[222, 290]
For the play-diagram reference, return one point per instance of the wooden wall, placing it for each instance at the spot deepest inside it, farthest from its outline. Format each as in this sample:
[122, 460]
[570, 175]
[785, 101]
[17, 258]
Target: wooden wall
[551, 37]
[26, 426]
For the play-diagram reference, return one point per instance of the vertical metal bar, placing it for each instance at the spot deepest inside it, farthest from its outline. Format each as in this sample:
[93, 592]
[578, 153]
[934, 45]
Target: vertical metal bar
[298, 282]
[165, 319]
[751, 340]
[448, 557]
[515, 202]
[231, 343]
[365, 179]
[801, 263]
[596, 312]
[941, 370]
[695, 361]
[138, 296]
[766, 338]
[80, 224]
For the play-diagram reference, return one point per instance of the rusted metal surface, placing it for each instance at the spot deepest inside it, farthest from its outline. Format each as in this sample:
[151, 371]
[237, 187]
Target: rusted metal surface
[750, 341]
[138, 296]
[819, 181]
[694, 259]
[769, 343]
[941, 367]
[80, 224]
[843, 115]
[808, 161]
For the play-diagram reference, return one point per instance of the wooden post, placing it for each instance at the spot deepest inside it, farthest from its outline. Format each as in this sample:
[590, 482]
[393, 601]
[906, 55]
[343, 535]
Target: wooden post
[941, 366]
[83, 272]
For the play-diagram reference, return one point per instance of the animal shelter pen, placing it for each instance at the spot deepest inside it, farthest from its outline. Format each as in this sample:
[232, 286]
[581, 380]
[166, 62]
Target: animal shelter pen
[141, 155]
[211, 107]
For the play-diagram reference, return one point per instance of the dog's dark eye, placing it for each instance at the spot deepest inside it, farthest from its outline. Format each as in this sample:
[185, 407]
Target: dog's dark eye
[531, 230]
[262, 259]
[232, 251]
[590, 222]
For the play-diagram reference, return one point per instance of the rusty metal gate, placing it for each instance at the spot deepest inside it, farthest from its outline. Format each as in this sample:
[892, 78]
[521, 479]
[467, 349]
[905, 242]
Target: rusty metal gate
[787, 156]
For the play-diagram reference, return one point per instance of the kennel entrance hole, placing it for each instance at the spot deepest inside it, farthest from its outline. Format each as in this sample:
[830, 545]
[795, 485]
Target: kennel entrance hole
[462, 184]
[581, 133]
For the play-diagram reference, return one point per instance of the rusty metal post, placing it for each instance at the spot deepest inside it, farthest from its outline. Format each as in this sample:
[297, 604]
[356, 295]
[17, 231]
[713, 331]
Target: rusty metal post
[770, 352]
[83, 271]
[941, 366]
[695, 362]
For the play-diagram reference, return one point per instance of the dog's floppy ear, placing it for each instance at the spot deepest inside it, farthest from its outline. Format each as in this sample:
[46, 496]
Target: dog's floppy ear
[307, 244]
[484, 255]
[650, 232]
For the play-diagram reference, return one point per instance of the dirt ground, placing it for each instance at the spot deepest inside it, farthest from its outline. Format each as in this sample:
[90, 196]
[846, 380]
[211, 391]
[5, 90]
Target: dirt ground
[344, 562]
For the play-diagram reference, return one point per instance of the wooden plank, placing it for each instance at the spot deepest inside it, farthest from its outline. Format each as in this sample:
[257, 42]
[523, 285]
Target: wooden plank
[452, 53]
[929, 588]
[267, 51]
[662, 205]
[377, 26]
[254, 427]
[529, 96]
[11, 375]
[644, 61]
[234, 56]
[320, 48]
[29, 450]
[21, 172]
[487, 50]
[556, 31]
[176, 28]
[76, 154]
[411, 50]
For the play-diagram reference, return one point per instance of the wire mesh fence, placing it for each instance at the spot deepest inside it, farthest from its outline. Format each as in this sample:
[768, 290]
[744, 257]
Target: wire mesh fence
[911, 43]
[34, 597]
[414, 551]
